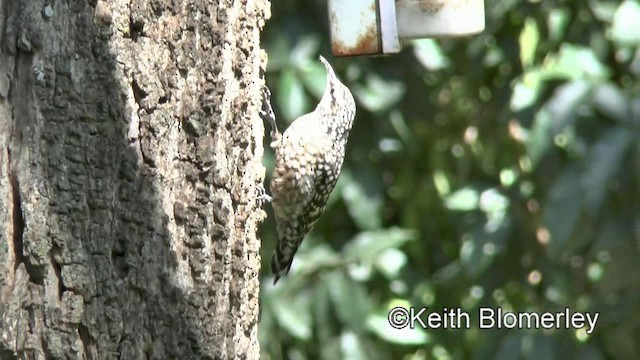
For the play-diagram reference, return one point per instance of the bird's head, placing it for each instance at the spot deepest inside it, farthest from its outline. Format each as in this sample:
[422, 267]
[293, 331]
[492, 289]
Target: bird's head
[336, 97]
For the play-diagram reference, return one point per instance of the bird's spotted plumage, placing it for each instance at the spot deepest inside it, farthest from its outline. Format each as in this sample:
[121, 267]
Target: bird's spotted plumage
[309, 157]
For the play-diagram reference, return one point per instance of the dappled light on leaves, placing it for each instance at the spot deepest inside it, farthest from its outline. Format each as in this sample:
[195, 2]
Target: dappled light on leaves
[498, 171]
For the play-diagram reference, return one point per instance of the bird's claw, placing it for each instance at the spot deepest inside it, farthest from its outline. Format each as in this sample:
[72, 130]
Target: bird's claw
[266, 113]
[262, 196]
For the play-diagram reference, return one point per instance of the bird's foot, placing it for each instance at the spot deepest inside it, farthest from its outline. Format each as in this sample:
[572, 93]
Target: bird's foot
[262, 196]
[266, 113]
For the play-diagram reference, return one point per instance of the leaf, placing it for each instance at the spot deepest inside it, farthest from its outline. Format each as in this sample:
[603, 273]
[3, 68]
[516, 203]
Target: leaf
[590, 352]
[322, 311]
[509, 347]
[368, 245]
[565, 102]
[363, 200]
[294, 313]
[574, 63]
[493, 203]
[331, 349]
[612, 102]
[429, 54]
[558, 113]
[390, 262]
[465, 199]
[350, 301]
[390, 145]
[603, 10]
[352, 348]
[542, 347]
[379, 325]
[379, 94]
[441, 182]
[310, 258]
[526, 91]
[613, 233]
[403, 129]
[305, 51]
[447, 274]
[494, 56]
[529, 38]
[625, 30]
[539, 140]
[481, 247]
[562, 210]
[292, 99]
[314, 77]
[278, 49]
[557, 23]
[571, 63]
[603, 164]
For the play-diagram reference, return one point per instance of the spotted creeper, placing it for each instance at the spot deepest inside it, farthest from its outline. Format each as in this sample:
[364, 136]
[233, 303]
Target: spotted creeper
[309, 156]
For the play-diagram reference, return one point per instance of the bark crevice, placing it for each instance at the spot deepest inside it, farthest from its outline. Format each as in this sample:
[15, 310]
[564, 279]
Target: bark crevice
[17, 223]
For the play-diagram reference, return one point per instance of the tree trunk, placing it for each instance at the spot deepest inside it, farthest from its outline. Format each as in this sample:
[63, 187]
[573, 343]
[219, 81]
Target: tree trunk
[130, 150]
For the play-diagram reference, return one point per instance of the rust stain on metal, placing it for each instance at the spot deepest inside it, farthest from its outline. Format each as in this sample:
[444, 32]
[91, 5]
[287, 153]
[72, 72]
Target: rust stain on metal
[366, 43]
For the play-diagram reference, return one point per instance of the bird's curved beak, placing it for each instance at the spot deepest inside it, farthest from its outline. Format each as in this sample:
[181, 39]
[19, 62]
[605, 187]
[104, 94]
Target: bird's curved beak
[330, 73]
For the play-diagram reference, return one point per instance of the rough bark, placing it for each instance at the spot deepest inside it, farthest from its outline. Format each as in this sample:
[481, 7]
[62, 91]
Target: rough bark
[130, 150]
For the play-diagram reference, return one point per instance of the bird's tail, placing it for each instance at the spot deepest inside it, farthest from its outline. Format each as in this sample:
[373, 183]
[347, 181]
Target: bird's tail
[283, 257]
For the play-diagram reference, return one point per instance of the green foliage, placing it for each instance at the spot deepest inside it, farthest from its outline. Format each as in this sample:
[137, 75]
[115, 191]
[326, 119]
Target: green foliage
[499, 170]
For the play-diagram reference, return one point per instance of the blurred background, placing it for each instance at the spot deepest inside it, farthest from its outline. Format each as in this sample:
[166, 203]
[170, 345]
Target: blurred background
[499, 170]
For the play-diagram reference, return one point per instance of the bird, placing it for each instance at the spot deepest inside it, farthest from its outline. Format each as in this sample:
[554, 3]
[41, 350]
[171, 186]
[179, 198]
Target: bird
[308, 160]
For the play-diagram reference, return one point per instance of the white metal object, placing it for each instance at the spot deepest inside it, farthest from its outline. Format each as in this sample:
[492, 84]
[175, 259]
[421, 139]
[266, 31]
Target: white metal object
[369, 27]
[363, 27]
[439, 18]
